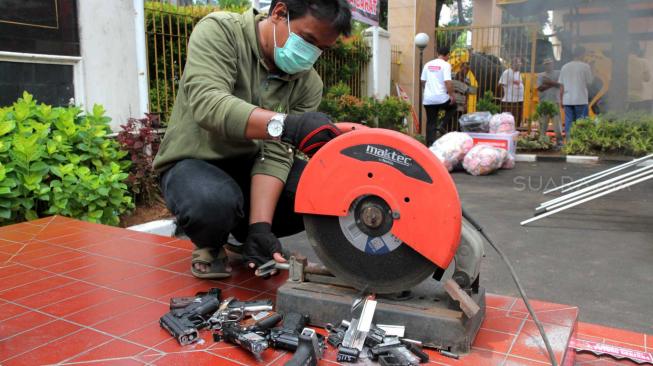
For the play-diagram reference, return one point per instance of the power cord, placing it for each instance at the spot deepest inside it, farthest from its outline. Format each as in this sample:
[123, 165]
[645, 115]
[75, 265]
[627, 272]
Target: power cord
[519, 287]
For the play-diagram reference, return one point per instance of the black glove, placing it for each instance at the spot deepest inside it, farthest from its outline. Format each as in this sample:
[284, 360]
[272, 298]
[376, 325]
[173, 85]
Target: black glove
[260, 244]
[308, 131]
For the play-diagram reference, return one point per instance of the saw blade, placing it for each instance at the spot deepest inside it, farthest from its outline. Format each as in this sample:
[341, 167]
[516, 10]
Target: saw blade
[380, 264]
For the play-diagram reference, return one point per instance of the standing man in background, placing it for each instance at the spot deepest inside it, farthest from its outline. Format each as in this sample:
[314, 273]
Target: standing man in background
[575, 78]
[638, 74]
[513, 91]
[438, 93]
[549, 91]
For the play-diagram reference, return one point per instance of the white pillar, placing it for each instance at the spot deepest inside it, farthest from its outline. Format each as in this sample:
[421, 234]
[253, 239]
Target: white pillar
[379, 70]
[141, 58]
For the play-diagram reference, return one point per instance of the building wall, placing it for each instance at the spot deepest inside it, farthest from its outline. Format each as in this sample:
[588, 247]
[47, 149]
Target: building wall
[406, 18]
[108, 49]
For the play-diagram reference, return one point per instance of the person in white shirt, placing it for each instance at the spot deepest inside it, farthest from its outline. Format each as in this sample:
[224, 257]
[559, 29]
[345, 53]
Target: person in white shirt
[438, 93]
[575, 77]
[513, 90]
[549, 89]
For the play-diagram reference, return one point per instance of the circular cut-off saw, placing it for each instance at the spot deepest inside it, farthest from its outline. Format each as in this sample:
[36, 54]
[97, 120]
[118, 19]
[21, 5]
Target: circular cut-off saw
[380, 210]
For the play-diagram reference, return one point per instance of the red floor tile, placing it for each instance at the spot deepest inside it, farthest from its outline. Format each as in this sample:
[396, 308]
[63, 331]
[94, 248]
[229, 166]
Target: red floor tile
[476, 358]
[150, 238]
[493, 341]
[611, 333]
[113, 349]
[61, 349]
[36, 337]
[112, 362]
[10, 247]
[266, 284]
[107, 310]
[537, 306]
[35, 287]
[171, 345]
[649, 342]
[55, 295]
[8, 310]
[22, 279]
[640, 348]
[504, 324]
[147, 277]
[166, 287]
[149, 335]
[16, 236]
[499, 302]
[565, 317]
[126, 322]
[69, 265]
[81, 239]
[193, 358]
[22, 323]
[529, 343]
[25, 227]
[517, 361]
[181, 244]
[239, 293]
[80, 302]
[181, 266]
[12, 269]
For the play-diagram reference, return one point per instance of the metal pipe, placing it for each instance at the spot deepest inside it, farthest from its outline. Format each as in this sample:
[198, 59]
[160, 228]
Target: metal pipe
[614, 184]
[574, 204]
[568, 196]
[599, 174]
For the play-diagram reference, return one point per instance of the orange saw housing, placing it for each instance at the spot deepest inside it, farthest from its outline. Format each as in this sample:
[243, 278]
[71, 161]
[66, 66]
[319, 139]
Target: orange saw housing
[398, 169]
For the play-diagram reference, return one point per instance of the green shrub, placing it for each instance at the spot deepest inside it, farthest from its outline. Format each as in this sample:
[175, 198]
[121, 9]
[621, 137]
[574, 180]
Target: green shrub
[534, 143]
[342, 107]
[59, 161]
[627, 133]
[487, 104]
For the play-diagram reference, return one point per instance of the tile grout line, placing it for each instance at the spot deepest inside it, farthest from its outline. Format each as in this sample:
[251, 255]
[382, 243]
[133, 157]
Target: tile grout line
[521, 327]
[83, 327]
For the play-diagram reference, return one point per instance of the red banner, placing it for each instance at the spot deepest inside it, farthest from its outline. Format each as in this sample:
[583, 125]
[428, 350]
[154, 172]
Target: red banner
[366, 11]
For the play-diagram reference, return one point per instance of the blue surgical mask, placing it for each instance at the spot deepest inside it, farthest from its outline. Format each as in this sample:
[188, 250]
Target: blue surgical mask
[296, 55]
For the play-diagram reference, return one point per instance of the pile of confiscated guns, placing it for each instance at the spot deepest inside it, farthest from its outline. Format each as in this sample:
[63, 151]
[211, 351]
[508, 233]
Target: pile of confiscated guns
[254, 326]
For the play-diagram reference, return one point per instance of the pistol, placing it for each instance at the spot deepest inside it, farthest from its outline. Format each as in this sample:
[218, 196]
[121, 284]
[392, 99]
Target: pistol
[287, 335]
[184, 323]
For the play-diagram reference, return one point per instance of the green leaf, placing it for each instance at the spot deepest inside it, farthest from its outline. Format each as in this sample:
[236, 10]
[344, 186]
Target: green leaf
[6, 127]
[5, 190]
[5, 213]
[31, 215]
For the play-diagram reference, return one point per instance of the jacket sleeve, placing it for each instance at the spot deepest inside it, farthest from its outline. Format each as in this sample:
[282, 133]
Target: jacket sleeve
[210, 75]
[278, 157]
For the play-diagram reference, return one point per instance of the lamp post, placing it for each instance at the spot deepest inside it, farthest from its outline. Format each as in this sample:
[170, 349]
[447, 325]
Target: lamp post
[421, 41]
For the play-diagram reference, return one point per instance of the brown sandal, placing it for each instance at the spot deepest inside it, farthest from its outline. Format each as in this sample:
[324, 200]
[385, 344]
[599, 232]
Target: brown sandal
[216, 259]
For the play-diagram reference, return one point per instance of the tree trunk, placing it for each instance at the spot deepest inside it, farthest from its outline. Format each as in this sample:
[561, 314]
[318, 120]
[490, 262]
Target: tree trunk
[461, 14]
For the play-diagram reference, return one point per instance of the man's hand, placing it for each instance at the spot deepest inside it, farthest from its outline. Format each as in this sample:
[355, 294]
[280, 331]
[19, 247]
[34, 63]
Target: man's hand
[452, 99]
[261, 245]
[309, 131]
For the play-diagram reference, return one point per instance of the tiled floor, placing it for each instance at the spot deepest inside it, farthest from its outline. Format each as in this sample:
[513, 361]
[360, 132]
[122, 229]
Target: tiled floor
[77, 293]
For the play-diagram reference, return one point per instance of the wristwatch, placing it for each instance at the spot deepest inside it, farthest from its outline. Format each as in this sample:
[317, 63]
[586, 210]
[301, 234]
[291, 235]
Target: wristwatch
[275, 125]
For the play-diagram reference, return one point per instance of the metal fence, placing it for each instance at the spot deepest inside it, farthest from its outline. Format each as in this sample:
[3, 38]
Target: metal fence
[395, 67]
[168, 28]
[489, 51]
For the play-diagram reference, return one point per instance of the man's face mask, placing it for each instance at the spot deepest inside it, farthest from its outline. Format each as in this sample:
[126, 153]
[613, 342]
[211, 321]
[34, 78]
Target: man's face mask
[296, 55]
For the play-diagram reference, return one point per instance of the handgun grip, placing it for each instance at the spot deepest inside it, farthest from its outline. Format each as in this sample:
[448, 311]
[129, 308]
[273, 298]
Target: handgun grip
[305, 354]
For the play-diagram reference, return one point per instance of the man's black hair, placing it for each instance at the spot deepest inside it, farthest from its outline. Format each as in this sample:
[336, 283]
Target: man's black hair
[579, 51]
[444, 51]
[337, 12]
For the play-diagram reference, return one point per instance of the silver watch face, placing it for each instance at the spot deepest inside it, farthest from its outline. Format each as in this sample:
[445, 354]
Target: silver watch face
[275, 128]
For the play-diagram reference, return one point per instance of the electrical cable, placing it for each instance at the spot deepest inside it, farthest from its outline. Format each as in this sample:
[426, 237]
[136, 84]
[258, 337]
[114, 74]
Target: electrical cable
[519, 286]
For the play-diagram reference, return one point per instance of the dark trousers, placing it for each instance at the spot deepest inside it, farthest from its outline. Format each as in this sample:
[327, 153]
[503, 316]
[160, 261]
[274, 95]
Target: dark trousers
[433, 121]
[211, 200]
[573, 113]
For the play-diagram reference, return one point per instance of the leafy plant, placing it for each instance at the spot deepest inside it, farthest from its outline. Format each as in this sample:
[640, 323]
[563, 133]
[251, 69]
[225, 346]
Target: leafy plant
[534, 143]
[344, 62]
[487, 104]
[140, 139]
[343, 107]
[546, 109]
[59, 161]
[629, 134]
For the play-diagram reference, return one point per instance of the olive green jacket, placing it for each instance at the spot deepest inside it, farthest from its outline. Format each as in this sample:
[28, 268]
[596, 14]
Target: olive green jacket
[224, 80]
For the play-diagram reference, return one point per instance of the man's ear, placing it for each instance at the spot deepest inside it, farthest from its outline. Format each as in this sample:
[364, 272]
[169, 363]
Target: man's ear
[279, 13]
